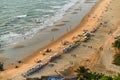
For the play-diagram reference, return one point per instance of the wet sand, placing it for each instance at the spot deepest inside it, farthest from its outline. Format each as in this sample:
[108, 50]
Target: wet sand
[46, 36]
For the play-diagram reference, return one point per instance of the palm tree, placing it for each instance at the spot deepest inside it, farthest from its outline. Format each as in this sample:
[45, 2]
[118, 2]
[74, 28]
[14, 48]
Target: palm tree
[106, 78]
[96, 76]
[116, 45]
[83, 73]
[117, 77]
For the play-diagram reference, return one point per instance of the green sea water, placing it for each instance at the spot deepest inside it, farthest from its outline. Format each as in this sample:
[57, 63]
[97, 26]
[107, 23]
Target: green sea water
[20, 18]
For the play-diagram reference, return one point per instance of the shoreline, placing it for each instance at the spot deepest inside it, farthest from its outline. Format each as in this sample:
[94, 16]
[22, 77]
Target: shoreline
[46, 35]
[63, 36]
[46, 23]
[77, 30]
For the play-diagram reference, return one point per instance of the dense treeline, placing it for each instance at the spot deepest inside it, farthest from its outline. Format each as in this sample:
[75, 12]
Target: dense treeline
[85, 74]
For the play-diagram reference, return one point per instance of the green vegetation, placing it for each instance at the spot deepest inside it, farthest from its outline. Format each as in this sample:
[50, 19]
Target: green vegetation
[85, 74]
[116, 45]
[116, 60]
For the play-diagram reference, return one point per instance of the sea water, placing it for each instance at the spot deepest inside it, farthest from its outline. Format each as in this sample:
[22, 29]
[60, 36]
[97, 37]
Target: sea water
[21, 19]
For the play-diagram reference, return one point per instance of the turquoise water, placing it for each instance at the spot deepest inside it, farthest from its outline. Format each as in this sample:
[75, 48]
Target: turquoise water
[20, 19]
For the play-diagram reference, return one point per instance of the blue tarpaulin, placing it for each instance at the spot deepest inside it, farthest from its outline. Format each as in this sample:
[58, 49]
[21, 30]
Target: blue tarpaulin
[52, 78]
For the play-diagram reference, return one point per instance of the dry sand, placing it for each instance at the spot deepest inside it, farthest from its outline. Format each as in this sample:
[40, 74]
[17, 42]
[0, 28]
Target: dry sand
[101, 60]
[106, 56]
[91, 21]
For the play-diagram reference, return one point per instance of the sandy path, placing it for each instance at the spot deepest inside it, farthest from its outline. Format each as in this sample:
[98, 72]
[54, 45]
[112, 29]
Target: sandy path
[107, 54]
[101, 60]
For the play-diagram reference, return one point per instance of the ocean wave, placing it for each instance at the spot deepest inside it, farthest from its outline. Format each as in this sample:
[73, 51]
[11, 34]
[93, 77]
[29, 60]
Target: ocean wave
[56, 7]
[9, 36]
[42, 10]
[21, 16]
[45, 21]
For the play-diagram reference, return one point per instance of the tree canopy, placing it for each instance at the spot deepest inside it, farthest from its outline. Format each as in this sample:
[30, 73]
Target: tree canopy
[116, 44]
[85, 74]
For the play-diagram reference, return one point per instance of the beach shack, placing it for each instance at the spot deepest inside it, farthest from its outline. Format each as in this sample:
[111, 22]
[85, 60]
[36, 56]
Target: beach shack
[84, 39]
[67, 49]
[52, 58]
[34, 69]
[86, 34]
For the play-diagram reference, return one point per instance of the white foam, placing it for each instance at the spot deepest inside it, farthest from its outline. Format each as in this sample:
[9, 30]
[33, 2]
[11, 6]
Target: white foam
[44, 22]
[21, 16]
[9, 38]
[42, 10]
[56, 7]
[58, 15]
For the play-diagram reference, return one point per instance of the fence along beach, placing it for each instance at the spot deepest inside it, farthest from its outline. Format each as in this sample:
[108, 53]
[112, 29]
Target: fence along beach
[63, 45]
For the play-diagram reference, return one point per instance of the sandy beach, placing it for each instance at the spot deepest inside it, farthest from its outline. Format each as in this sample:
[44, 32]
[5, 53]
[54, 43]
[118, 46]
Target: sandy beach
[87, 53]
[46, 36]
[101, 58]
